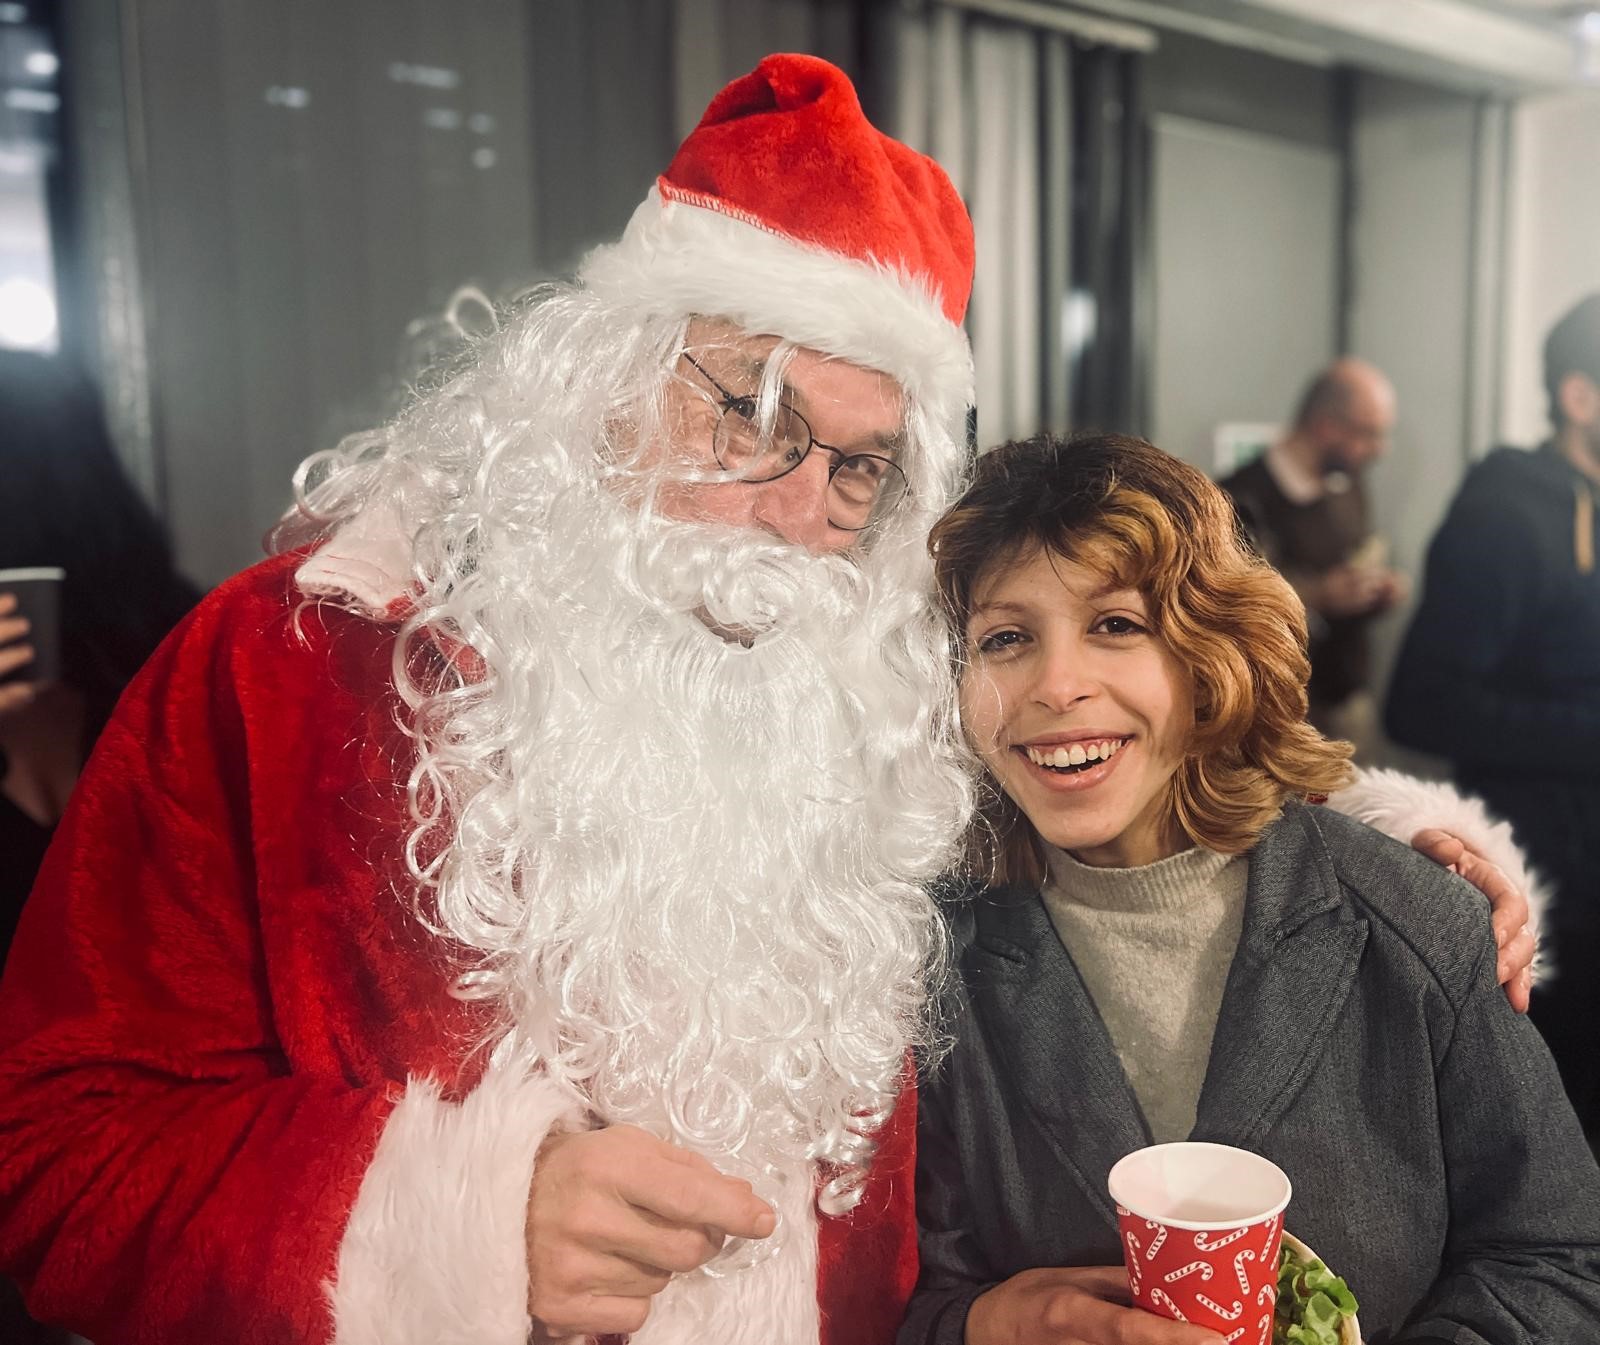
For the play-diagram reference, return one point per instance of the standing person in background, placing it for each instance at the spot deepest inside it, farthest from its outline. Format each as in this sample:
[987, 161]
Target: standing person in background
[1500, 673]
[68, 505]
[1305, 506]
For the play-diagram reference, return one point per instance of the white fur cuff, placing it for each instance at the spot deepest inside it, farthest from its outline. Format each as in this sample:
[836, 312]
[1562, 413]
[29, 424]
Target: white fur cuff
[435, 1252]
[1401, 806]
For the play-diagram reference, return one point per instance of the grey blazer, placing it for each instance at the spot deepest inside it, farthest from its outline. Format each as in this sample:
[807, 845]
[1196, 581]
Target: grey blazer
[1363, 1046]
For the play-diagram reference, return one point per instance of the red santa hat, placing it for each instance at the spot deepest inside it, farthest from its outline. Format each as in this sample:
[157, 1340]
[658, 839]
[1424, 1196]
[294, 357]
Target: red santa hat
[788, 212]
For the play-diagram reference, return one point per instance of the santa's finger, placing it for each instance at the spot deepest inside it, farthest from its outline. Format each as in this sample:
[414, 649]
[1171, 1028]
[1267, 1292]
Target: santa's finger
[16, 695]
[1508, 902]
[589, 1315]
[1516, 957]
[1520, 991]
[673, 1249]
[687, 1197]
[1439, 845]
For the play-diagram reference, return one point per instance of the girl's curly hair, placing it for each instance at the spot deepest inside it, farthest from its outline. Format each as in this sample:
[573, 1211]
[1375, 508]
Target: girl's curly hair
[1144, 520]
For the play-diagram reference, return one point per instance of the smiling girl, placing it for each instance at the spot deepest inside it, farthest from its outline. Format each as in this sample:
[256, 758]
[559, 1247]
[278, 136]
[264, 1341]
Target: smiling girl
[1169, 943]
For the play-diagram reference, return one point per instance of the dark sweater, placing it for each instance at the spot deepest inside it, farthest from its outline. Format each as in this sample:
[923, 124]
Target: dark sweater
[1500, 670]
[1363, 1046]
[1305, 540]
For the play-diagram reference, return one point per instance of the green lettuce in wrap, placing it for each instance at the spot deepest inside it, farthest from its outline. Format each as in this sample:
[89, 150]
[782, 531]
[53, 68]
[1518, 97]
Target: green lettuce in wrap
[1313, 1302]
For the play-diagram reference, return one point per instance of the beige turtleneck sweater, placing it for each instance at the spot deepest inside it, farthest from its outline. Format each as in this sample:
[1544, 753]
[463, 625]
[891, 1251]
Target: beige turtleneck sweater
[1154, 945]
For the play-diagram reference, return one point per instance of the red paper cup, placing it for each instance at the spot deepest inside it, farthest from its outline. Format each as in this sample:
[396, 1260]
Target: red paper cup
[1200, 1226]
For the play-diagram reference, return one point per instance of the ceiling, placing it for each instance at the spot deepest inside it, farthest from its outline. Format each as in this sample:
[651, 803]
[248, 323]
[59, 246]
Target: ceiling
[1505, 46]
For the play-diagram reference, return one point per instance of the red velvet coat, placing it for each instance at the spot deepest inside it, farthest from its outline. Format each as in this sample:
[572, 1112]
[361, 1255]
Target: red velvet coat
[216, 997]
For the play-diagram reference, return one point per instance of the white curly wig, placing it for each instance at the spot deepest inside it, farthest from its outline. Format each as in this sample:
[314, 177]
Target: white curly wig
[690, 871]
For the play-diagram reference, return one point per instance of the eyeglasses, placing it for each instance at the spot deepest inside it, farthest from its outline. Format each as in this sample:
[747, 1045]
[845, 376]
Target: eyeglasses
[859, 484]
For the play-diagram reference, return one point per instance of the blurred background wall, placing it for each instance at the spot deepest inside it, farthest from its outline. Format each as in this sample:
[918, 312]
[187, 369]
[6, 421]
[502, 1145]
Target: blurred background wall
[245, 217]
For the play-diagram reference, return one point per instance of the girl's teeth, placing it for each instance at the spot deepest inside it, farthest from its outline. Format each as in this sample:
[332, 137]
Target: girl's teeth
[1075, 754]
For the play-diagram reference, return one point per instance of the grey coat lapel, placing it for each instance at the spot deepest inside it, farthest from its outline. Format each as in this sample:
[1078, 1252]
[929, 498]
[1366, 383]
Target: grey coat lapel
[1059, 1057]
[1295, 967]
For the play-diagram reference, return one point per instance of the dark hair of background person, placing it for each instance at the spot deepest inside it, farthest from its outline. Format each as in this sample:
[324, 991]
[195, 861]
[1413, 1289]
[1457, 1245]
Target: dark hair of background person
[69, 503]
[1572, 347]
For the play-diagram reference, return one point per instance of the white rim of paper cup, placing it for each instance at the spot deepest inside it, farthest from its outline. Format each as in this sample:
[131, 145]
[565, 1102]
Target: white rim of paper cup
[33, 572]
[1119, 1169]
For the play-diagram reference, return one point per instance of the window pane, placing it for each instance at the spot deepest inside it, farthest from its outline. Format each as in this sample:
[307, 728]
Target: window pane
[29, 108]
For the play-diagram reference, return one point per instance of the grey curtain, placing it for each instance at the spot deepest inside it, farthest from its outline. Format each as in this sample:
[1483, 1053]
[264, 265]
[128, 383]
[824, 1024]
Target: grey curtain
[991, 100]
[276, 192]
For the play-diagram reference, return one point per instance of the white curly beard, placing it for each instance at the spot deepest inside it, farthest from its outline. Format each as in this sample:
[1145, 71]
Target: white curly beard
[692, 874]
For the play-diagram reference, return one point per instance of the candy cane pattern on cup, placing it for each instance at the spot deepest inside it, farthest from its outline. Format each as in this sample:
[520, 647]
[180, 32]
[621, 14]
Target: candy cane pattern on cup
[1267, 1295]
[1262, 1337]
[1202, 1245]
[1211, 1305]
[1161, 1237]
[1158, 1296]
[1238, 1270]
[1173, 1276]
[1133, 1260]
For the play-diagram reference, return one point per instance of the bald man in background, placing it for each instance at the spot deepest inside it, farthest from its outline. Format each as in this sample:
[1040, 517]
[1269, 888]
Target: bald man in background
[1303, 503]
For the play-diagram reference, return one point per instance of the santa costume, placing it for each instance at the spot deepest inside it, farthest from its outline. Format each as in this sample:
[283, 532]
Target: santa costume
[459, 822]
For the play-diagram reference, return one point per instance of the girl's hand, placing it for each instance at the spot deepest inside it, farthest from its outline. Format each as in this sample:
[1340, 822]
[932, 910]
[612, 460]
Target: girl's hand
[15, 653]
[1087, 1305]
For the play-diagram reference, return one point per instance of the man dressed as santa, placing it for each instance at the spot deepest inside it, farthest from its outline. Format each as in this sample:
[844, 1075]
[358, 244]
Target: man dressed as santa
[503, 915]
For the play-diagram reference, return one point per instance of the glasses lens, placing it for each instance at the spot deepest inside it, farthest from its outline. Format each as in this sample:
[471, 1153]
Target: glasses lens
[859, 485]
[755, 452]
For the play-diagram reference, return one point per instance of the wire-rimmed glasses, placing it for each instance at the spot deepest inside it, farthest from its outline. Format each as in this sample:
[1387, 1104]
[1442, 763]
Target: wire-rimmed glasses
[859, 484]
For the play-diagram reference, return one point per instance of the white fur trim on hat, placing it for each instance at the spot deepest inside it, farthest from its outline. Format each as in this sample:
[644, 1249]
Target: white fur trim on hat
[1401, 806]
[679, 259]
[436, 1250]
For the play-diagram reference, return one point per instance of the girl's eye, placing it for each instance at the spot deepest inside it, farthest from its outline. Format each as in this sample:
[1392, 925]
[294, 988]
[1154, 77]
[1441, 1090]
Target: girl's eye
[1118, 625]
[999, 640]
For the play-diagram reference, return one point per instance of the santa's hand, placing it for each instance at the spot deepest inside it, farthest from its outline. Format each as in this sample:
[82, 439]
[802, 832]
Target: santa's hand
[613, 1215]
[1089, 1305]
[1508, 909]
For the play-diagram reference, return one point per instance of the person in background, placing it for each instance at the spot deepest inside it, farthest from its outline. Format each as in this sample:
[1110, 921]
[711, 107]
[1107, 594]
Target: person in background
[1304, 504]
[68, 504]
[1499, 673]
[513, 896]
[1165, 939]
